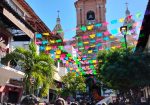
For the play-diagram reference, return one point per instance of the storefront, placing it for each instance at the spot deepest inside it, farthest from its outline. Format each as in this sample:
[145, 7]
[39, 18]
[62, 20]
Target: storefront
[10, 84]
[11, 93]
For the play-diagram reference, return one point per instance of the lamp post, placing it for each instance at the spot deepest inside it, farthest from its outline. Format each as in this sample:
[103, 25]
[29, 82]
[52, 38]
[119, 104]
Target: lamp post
[123, 31]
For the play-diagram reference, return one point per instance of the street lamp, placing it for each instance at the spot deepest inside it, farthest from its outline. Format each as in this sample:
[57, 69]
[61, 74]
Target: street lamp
[123, 31]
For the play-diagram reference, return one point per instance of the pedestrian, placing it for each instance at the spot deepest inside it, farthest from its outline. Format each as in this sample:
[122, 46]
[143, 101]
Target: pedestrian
[83, 102]
[104, 104]
[110, 103]
[74, 103]
[60, 101]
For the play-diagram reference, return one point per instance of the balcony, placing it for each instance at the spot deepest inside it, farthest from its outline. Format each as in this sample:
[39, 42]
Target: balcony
[7, 73]
[13, 17]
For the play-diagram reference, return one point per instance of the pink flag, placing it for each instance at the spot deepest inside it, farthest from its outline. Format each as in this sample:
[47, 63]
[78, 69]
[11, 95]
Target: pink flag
[106, 33]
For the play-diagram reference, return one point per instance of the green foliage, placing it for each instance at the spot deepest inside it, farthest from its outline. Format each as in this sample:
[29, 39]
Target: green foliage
[73, 83]
[40, 67]
[124, 70]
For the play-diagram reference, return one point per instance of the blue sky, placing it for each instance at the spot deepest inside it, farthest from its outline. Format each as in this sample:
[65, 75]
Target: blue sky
[115, 9]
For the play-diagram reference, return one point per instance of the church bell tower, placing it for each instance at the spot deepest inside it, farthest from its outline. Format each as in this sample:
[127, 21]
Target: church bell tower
[92, 34]
[90, 11]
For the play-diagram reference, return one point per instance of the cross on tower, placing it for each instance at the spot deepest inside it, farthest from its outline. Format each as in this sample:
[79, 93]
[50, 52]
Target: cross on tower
[58, 13]
[126, 5]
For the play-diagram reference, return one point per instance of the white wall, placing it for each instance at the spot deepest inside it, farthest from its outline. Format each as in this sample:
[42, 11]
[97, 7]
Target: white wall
[15, 44]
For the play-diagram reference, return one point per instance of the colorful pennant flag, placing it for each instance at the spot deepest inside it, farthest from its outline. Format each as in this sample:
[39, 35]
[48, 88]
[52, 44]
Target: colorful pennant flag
[99, 34]
[48, 48]
[98, 25]
[114, 31]
[90, 27]
[121, 20]
[92, 36]
[44, 42]
[114, 21]
[38, 35]
[83, 28]
[58, 52]
[42, 48]
[46, 34]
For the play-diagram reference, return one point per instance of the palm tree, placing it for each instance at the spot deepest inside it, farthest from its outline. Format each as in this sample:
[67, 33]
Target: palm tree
[38, 67]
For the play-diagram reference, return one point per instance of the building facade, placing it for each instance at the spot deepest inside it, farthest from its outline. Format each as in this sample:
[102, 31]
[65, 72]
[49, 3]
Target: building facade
[18, 25]
[92, 34]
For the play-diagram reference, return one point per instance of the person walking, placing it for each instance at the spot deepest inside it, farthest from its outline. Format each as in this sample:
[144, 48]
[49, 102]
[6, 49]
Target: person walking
[60, 101]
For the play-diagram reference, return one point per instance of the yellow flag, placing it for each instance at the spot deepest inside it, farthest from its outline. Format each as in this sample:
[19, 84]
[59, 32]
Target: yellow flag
[93, 46]
[111, 36]
[46, 34]
[92, 36]
[48, 48]
[77, 70]
[71, 68]
[52, 41]
[113, 47]
[57, 56]
[67, 62]
[86, 42]
[58, 51]
[90, 27]
[94, 61]
[90, 51]
[121, 20]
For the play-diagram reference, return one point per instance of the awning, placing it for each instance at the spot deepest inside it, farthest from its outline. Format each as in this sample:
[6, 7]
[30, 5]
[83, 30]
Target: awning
[6, 73]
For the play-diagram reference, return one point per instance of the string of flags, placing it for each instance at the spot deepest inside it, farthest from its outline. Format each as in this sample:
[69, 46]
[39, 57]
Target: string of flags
[57, 52]
[98, 34]
[98, 25]
[60, 54]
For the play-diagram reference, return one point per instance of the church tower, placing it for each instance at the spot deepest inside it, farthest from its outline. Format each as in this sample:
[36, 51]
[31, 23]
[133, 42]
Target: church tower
[129, 22]
[90, 11]
[58, 29]
[131, 26]
[92, 33]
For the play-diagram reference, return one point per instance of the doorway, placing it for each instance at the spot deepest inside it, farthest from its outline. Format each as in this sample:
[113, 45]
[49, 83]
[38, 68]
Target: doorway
[13, 97]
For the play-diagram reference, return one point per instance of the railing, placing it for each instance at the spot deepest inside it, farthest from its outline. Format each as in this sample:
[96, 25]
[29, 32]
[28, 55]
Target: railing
[11, 69]
[9, 9]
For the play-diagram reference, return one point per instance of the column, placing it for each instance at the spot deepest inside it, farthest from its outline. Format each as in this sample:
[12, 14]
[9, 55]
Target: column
[78, 16]
[97, 13]
[102, 10]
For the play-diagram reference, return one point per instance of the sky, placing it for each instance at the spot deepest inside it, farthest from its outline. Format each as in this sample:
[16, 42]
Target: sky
[115, 9]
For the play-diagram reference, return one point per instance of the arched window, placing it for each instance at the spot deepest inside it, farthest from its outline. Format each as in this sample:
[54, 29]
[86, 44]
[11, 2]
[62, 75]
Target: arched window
[90, 15]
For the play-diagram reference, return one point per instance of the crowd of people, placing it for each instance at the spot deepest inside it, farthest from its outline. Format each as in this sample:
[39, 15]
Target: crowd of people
[61, 101]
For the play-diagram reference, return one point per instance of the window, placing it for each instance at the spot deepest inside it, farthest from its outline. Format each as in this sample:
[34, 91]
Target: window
[90, 15]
